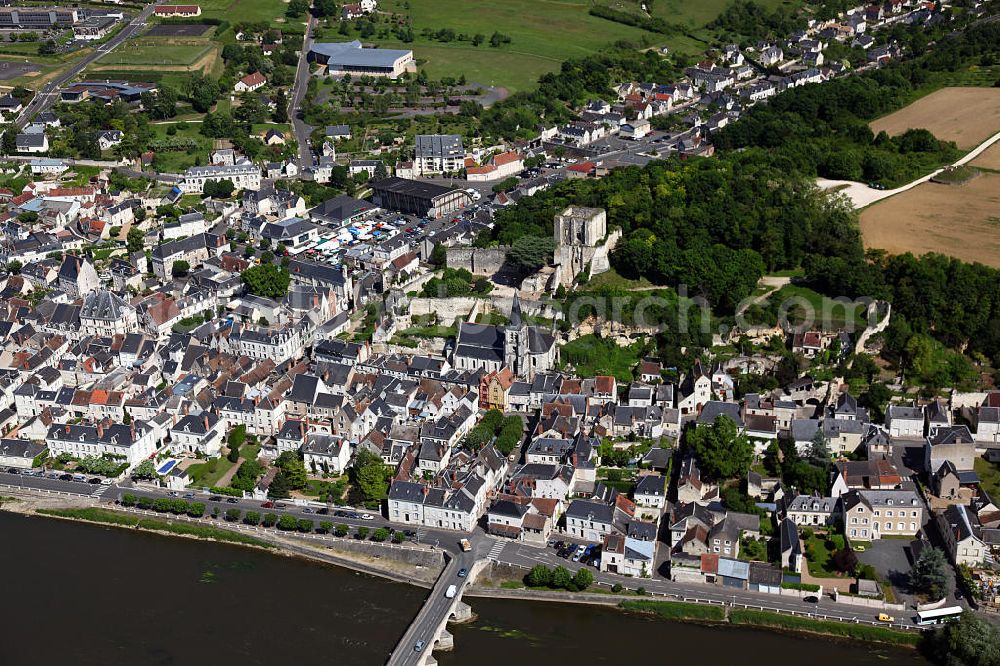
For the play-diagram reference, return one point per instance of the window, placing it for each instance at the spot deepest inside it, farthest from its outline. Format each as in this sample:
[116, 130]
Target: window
[913, 527]
[888, 514]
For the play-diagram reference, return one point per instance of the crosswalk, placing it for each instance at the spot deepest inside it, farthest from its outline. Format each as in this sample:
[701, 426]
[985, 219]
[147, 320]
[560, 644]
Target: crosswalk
[495, 551]
[101, 491]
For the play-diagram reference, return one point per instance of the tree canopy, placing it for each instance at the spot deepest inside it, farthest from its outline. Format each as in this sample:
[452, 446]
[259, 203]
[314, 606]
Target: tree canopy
[721, 451]
[267, 280]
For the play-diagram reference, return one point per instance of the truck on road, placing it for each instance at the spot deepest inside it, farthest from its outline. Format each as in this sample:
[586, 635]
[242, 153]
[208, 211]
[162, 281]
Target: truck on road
[465, 544]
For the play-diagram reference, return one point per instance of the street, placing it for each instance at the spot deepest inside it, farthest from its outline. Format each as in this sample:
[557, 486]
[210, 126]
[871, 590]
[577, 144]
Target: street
[302, 130]
[49, 94]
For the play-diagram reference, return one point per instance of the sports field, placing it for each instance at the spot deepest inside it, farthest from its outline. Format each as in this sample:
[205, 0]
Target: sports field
[966, 116]
[962, 221]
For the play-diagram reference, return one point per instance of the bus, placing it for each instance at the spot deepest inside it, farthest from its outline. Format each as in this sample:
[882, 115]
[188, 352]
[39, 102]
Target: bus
[938, 616]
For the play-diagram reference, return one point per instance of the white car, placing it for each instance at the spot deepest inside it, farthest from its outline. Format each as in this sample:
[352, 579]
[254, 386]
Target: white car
[367, 516]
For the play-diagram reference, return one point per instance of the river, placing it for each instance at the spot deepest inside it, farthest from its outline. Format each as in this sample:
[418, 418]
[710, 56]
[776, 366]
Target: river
[84, 594]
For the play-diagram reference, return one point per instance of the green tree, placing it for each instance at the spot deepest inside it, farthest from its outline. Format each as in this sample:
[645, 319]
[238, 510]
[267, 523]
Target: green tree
[270, 519]
[196, 509]
[721, 451]
[562, 579]
[9, 141]
[144, 470]
[342, 530]
[362, 533]
[370, 476]
[539, 576]
[529, 253]
[583, 579]
[180, 268]
[234, 453]
[819, 448]
[928, 575]
[380, 534]
[288, 522]
[293, 468]
[267, 280]
[279, 488]
[969, 641]
[232, 515]
[439, 256]
[134, 238]
[252, 518]
[398, 537]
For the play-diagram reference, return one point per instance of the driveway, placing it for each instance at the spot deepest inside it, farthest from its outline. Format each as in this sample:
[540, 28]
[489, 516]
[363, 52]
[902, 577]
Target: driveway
[891, 559]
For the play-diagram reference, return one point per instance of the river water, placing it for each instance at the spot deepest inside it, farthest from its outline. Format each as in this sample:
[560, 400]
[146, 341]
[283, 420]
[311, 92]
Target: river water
[83, 594]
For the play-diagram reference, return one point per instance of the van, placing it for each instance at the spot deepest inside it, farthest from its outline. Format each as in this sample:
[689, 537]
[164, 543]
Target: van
[79, 477]
[451, 591]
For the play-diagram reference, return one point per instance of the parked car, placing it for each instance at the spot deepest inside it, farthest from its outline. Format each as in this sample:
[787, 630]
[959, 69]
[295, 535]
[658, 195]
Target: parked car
[215, 498]
[65, 477]
[267, 505]
[813, 599]
[95, 480]
[232, 500]
[463, 572]
[307, 510]
[418, 646]
[884, 617]
[13, 470]
[323, 511]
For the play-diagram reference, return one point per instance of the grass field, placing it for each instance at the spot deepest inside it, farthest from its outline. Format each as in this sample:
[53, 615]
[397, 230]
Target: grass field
[592, 356]
[966, 115]
[824, 312]
[543, 34]
[176, 161]
[271, 11]
[958, 220]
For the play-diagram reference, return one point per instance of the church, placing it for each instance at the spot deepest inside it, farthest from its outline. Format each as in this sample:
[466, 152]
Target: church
[526, 350]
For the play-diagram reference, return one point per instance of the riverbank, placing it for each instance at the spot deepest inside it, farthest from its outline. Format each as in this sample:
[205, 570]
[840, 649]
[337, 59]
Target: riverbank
[679, 611]
[412, 566]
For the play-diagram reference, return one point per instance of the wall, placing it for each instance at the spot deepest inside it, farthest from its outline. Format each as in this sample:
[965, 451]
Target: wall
[477, 260]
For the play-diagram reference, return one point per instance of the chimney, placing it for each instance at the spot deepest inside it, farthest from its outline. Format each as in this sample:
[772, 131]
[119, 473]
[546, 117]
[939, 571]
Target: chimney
[426, 491]
[100, 430]
[206, 421]
[67, 428]
[133, 429]
[302, 428]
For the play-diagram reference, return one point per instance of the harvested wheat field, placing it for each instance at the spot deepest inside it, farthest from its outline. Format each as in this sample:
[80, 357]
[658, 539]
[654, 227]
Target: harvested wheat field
[989, 158]
[967, 116]
[962, 221]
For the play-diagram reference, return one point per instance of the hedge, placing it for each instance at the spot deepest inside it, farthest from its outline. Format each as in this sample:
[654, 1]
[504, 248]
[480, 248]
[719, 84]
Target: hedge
[676, 610]
[804, 587]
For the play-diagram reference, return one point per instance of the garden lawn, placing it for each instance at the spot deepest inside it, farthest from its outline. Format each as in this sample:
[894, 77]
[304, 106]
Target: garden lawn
[820, 555]
[989, 476]
[592, 356]
[208, 473]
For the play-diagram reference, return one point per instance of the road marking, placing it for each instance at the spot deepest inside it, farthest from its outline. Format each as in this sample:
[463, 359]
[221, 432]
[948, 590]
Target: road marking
[495, 551]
